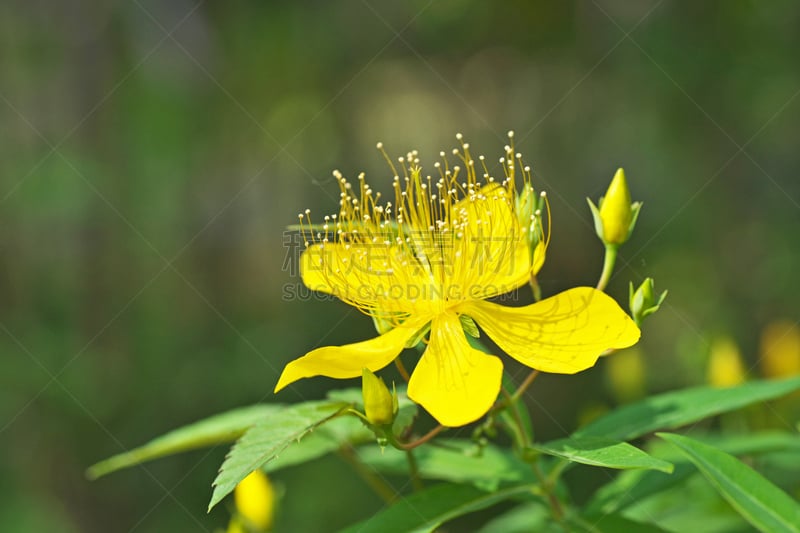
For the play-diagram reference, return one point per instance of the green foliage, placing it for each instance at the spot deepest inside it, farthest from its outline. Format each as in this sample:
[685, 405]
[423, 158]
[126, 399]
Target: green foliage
[679, 408]
[763, 504]
[426, 510]
[218, 429]
[598, 451]
[264, 441]
[454, 460]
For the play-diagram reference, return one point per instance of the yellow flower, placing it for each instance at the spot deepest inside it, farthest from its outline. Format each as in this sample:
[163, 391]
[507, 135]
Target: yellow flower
[780, 349]
[255, 500]
[725, 368]
[438, 250]
[626, 375]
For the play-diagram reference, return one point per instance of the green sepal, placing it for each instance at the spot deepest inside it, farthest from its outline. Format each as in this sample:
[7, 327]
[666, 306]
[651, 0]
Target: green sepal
[469, 326]
[598, 223]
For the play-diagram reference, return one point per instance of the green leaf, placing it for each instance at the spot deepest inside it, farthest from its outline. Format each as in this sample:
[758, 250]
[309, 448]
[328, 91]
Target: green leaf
[267, 439]
[734, 444]
[426, 510]
[218, 429]
[598, 451]
[530, 516]
[453, 460]
[324, 440]
[760, 502]
[687, 504]
[611, 523]
[633, 486]
[675, 409]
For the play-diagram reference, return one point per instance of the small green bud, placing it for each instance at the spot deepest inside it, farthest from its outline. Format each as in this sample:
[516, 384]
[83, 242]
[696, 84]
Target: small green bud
[380, 406]
[643, 301]
[615, 219]
[529, 209]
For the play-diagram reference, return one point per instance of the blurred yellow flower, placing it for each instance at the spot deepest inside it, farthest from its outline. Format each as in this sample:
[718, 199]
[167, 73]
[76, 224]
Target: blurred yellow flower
[780, 349]
[255, 501]
[725, 368]
[439, 250]
[626, 375]
[235, 526]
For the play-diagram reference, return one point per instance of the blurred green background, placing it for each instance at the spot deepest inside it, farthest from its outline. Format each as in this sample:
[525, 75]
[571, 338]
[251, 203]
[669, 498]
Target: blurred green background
[152, 153]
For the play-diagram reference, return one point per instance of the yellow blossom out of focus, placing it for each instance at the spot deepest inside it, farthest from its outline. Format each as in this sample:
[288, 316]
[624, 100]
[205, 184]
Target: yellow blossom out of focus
[725, 368]
[236, 526]
[255, 501]
[626, 375]
[780, 349]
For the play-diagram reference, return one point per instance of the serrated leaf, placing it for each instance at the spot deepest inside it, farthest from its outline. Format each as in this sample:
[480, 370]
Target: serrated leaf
[426, 510]
[324, 440]
[678, 408]
[265, 440]
[598, 451]
[453, 460]
[218, 429]
[753, 496]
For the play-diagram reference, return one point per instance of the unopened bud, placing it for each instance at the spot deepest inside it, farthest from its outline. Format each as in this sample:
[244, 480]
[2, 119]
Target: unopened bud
[615, 219]
[530, 208]
[379, 404]
[643, 301]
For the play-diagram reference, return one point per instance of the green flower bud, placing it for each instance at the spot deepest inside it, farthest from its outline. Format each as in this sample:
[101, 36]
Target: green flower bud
[380, 406]
[615, 219]
[643, 301]
[529, 209]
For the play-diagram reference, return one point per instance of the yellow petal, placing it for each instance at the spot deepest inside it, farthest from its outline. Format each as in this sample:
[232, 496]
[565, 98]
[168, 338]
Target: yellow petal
[563, 334]
[348, 361]
[378, 278]
[491, 257]
[454, 382]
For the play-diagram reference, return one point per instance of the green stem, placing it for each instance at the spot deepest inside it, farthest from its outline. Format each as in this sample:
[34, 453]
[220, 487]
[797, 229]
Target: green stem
[375, 482]
[537, 290]
[413, 470]
[524, 385]
[522, 440]
[520, 437]
[608, 266]
[413, 444]
[402, 369]
[552, 499]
